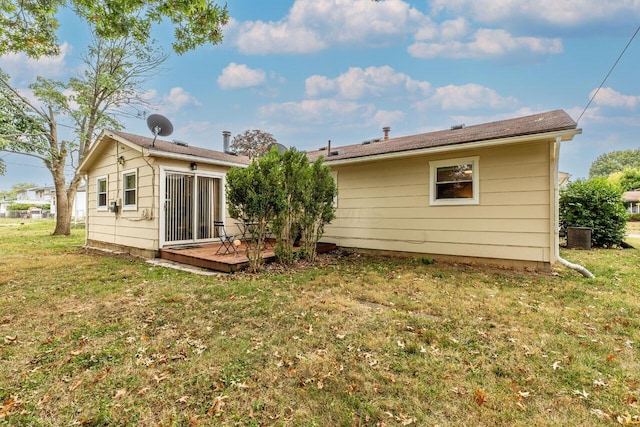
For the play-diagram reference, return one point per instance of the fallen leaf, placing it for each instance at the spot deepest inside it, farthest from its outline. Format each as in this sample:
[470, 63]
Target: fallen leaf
[480, 396]
[120, 394]
[183, 399]
[10, 339]
[556, 365]
[7, 406]
[76, 385]
[631, 400]
[611, 357]
[581, 394]
[218, 403]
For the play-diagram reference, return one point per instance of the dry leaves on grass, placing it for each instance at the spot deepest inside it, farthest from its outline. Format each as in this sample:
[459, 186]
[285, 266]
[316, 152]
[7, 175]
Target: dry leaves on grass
[8, 405]
[10, 339]
[480, 396]
[216, 408]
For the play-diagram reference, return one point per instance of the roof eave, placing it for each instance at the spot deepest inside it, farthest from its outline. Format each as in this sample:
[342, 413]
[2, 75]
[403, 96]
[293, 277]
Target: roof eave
[566, 135]
[192, 158]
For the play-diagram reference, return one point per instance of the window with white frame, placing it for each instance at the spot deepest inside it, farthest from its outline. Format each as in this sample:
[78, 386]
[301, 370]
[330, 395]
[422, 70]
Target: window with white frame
[101, 193]
[455, 181]
[129, 189]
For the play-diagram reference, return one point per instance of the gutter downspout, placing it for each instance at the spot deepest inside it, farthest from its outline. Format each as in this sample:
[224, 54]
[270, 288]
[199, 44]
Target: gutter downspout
[556, 197]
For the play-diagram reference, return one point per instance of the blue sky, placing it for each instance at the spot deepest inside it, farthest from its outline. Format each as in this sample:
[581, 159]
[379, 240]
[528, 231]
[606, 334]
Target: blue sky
[309, 71]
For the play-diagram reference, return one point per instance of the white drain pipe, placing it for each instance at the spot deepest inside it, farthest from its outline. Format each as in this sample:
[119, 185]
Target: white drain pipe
[579, 268]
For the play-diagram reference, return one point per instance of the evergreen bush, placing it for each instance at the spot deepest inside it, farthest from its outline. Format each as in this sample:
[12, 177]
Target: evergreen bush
[595, 203]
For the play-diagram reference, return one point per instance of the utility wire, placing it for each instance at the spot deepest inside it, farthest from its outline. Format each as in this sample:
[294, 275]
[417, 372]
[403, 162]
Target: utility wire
[609, 73]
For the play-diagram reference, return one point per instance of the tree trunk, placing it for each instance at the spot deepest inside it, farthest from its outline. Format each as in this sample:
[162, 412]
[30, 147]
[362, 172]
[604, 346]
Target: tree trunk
[63, 214]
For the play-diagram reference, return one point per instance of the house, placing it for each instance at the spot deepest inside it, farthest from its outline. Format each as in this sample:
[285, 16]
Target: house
[37, 196]
[145, 194]
[485, 193]
[632, 201]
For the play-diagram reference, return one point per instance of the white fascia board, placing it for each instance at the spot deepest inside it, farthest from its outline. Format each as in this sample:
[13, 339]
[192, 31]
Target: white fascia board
[190, 158]
[565, 135]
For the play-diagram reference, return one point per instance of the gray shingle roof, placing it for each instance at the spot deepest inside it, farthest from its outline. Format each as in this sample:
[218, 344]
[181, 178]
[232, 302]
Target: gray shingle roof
[170, 147]
[551, 121]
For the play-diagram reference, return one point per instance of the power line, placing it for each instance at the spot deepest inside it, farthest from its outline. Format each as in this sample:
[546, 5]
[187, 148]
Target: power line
[608, 74]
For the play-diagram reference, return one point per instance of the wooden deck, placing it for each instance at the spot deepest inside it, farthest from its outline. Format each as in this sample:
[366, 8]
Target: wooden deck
[204, 256]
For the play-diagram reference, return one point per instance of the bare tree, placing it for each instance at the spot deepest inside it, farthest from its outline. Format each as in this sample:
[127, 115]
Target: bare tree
[108, 89]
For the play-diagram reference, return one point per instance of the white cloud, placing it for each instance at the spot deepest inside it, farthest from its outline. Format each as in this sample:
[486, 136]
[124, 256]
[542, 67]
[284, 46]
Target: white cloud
[464, 97]
[236, 76]
[387, 118]
[315, 25]
[24, 68]
[485, 43]
[177, 99]
[563, 13]
[358, 83]
[318, 111]
[608, 97]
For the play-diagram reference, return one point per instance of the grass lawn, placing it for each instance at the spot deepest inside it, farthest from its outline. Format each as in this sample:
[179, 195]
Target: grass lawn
[633, 227]
[100, 340]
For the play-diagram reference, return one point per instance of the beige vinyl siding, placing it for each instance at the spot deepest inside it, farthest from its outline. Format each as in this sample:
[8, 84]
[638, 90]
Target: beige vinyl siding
[384, 205]
[129, 227]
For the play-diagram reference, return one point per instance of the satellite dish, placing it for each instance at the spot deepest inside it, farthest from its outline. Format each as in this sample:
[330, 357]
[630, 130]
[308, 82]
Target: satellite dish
[159, 125]
[281, 148]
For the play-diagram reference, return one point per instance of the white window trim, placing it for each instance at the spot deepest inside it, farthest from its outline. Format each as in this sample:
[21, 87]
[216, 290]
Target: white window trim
[106, 205]
[134, 206]
[433, 167]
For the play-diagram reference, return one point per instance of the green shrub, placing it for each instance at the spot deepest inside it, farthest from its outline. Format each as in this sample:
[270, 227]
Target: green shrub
[634, 217]
[597, 204]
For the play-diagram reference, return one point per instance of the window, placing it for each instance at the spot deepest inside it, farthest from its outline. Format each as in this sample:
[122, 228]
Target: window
[454, 182]
[129, 189]
[101, 193]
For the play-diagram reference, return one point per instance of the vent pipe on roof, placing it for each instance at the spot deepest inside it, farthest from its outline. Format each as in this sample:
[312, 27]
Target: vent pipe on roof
[386, 131]
[329, 147]
[226, 146]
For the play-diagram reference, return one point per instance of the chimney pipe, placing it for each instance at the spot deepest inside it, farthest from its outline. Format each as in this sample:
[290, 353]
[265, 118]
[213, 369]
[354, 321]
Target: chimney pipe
[386, 130]
[225, 141]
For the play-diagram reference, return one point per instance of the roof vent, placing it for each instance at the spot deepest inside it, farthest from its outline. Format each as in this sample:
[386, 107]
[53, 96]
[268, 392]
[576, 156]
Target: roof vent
[180, 143]
[368, 141]
[322, 148]
[336, 153]
[457, 127]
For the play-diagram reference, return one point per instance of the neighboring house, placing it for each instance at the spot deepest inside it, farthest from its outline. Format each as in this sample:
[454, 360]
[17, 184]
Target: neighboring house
[145, 194]
[485, 193]
[632, 200]
[36, 196]
[39, 196]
